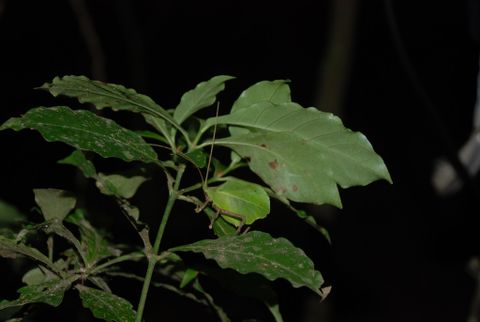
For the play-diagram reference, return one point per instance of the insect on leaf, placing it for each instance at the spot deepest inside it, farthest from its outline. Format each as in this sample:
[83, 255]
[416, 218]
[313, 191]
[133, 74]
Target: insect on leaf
[302, 153]
[242, 198]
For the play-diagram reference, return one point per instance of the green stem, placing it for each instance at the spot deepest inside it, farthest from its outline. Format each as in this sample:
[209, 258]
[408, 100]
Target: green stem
[152, 258]
[123, 258]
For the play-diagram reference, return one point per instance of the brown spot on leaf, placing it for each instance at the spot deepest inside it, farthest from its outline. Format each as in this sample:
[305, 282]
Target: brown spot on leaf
[294, 188]
[273, 164]
[281, 190]
[263, 145]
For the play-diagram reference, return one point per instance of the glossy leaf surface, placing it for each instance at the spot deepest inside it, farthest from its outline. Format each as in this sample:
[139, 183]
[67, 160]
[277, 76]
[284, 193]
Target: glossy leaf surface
[258, 252]
[85, 131]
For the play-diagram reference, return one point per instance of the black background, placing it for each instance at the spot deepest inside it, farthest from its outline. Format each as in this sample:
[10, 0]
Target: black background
[399, 251]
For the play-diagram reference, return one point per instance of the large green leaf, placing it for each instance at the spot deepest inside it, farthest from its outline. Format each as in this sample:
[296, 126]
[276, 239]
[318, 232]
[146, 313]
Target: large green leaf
[105, 305]
[203, 95]
[85, 131]
[237, 198]
[258, 252]
[104, 95]
[302, 153]
[54, 203]
[276, 92]
[50, 292]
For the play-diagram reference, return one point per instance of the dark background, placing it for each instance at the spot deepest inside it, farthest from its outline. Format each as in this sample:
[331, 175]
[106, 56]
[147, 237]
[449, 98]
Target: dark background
[399, 252]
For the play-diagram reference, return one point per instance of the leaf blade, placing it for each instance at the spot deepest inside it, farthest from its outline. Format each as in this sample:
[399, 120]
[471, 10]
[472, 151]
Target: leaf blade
[203, 95]
[303, 154]
[104, 95]
[105, 305]
[258, 252]
[84, 130]
[54, 203]
[50, 293]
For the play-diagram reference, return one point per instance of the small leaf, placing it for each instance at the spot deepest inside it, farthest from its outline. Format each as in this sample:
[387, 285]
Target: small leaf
[162, 126]
[118, 185]
[241, 198]
[203, 95]
[94, 246]
[54, 203]
[84, 130]
[10, 249]
[105, 305]
[258, 252]
[50, 292]
[220, 226]
[38, 275]
[78, 159]
[276, 92]
[197, 157]
[104, 95]
[9, 214]
[189, 275]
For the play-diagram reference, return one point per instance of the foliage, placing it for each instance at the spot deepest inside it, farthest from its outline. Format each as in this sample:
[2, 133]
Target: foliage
[301, 154]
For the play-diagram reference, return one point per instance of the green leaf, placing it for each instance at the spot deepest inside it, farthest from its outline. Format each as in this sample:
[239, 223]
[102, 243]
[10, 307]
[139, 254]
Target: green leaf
[258, 252]
[198, 157]
[303, 153]
[9, 214]
[276, 92]
[54, 203]
[85, 131]
[203, 95]
[38, 275]
[163, 127]
[104, 95]
[50, 293]
[219, 225]
[93, 245]
[242, 198]
[78, 159]
[189, 275]
[105, 305]
[10, 249]
[118, 185]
